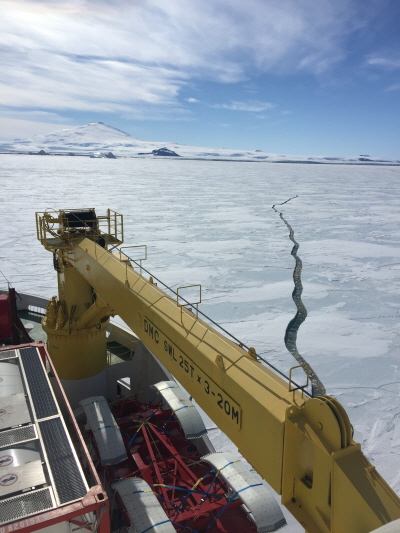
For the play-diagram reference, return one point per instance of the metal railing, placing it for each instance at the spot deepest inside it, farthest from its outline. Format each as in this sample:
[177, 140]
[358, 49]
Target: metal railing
[225, 331]
[58, 229]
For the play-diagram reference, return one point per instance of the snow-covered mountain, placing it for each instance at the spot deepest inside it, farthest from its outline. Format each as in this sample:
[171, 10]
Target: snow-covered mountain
[97, 138]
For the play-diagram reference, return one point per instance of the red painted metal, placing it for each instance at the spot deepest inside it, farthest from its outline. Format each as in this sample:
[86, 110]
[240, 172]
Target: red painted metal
[5, 318]
[11, 327]
[191, 494]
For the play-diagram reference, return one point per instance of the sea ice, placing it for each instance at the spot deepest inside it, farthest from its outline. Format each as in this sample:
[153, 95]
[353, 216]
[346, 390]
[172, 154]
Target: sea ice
[212, 223]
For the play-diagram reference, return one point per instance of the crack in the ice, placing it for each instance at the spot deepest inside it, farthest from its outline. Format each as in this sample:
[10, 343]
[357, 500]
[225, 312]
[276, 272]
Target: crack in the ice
[370, 387]
[292, 328]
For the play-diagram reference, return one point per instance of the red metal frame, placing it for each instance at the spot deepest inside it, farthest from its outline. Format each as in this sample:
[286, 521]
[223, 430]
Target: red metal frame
[95, 500]
[191, 494]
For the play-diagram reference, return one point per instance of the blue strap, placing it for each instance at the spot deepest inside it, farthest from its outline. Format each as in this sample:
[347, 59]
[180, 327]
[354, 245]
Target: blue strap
[183, 407]
[166, 501]
[249, 487]
[229, 502]
[158, 392]
[104, 427]
[188, 494]
[154, 525]
[215, 477]
[173, 412]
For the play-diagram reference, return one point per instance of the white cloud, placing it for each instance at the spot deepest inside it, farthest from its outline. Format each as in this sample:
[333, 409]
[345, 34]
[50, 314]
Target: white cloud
[252, 106]
[11, 128]
[127, 57]
[191, 100]
[393, 87]
[43, 116]
[62, 82]
[385, 62]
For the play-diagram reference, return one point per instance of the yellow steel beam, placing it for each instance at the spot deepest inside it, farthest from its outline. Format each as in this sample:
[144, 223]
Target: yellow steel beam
[234, 393]
[302, 448]
[93, 315]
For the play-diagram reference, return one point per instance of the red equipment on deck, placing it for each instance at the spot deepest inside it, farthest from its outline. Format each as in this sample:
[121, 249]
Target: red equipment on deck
[193, 496]
[5, 318]
[12, 330]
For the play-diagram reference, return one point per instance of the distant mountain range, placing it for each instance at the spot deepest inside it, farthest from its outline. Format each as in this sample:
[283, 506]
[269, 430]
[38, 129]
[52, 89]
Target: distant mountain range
[99, 140]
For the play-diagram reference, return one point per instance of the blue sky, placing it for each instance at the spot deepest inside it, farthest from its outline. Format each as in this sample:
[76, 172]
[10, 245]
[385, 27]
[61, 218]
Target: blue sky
[284, 76]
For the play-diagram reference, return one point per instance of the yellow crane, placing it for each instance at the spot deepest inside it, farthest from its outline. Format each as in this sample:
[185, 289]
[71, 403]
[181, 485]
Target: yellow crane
[302, 446]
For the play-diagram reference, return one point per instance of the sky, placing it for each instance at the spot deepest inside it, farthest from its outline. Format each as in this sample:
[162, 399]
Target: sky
[318, 77]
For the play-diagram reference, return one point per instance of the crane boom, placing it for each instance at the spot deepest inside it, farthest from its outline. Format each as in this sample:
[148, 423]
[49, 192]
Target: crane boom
[301, 446]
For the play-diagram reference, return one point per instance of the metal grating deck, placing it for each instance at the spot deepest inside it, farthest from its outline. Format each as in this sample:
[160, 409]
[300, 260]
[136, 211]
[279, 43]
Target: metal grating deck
[25, 505]
[69, 482]
[39, 466]
[39, 386]
[8, 354]
[17, 435]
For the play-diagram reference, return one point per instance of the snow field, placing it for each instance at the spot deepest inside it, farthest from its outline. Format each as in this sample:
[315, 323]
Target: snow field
[212, 223]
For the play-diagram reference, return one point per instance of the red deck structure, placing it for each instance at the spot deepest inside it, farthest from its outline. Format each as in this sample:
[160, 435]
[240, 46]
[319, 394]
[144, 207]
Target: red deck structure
[193, 496]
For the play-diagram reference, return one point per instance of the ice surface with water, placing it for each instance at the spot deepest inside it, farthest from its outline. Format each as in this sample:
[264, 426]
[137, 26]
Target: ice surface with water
[213, 223]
